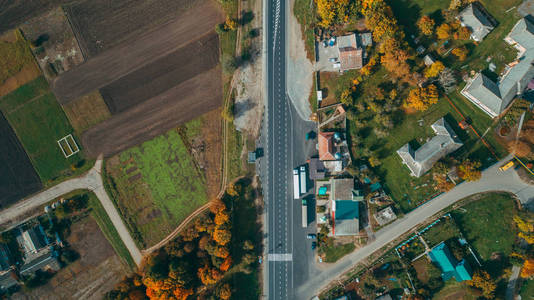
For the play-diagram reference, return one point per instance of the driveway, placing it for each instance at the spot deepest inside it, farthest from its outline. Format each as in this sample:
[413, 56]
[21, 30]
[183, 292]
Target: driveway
[92, 180]
[492, 180]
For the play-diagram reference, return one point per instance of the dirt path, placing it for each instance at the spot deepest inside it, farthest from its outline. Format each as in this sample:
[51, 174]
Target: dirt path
[92, 180]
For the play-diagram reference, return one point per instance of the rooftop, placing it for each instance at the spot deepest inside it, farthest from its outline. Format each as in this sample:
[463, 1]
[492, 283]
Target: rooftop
[350, 53]
[46, 261]
[342, 188]
[442, 256]
[326, 146]
[477, 20]
[317, 169]
[493, 97]
[345, 214]
[385, 216]
[421, 160]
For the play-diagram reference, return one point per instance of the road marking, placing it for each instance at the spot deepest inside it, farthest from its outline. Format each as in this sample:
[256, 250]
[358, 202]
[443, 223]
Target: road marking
[280, 257]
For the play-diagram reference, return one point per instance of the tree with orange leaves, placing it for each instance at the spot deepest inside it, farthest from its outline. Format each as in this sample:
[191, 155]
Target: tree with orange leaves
[460, 52]
[426, 25]
[221, 217]
[224, 292]
[442, 184]
[444, 31]
[422, 98]
[221, 252]
[217, 205]
[527, 271]
[181, 293]
[208, 276]
[227, 263]
[221, 236]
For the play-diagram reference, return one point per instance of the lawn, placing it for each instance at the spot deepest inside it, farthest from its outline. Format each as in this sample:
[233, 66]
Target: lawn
[158, 184]
[304, 12]
[488, 224]
[102, 219]
[39, 122]
[527, 290]
[442, 231]
[15, 53]
[456, 290]
[332, 254]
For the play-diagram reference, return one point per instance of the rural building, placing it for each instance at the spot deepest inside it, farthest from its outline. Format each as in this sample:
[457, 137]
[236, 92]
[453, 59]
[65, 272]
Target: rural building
[345, 209]
[385, 216]
[429, 60]
[7, 280]
[350, 53]
[475, 17]
[493, 97]
[326, 146]
[442, 256]
[385, 297]
[365, 39]
[317, 169]
[443, 143]
[33, 240]
[45, 262]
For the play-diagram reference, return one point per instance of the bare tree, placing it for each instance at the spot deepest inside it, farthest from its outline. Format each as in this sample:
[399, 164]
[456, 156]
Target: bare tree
[447, 80]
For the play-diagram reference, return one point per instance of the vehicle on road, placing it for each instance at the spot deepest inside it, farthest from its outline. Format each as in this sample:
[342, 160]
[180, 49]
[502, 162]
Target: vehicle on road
[314, 245]
[303, 187]
[304, 213]
[507, 166]
[311, 236]
[296, 186]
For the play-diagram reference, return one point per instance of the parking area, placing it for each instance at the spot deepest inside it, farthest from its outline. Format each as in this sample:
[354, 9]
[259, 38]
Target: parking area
[328, 56]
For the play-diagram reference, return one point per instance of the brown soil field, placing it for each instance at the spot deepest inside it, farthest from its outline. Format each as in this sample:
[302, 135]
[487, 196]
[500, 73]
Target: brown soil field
[158, 76]
[96, 271]
[86, 111]
[56, 48]
[129, 56]
[149, 119]
[15, 12]
[103, 24]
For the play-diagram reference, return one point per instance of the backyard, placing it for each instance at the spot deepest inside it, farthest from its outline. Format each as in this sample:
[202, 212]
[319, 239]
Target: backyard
[39, 123]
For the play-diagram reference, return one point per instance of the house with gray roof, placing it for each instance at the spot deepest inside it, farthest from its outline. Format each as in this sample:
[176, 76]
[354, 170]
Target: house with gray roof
[493, 97]
[475, 17]
[345, 207]
[46, 261]
[443, 143]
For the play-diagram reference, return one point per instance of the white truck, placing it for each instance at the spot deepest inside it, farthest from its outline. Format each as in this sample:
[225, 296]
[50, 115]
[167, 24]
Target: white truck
[303, 188]
[296, 186]
[304, 214]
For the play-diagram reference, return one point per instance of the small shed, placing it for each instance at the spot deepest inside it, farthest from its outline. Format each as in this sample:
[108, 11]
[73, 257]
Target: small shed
[252, 157]
[429, 60]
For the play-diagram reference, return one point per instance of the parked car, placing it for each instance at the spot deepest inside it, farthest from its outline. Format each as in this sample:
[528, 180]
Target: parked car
[313, 245]
[311, 236]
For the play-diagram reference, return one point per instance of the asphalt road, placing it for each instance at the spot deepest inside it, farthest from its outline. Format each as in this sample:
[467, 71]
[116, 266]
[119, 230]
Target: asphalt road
[289, 254]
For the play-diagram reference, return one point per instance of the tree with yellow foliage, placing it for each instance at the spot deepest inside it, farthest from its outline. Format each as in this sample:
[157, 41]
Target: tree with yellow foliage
[469, 170]
[460, 52]
[444, 31]
[379, 19]
[442, 184]
[422, 98]
[526, 229]
[483, 281]
[221, 217]
[230, 24]
[221, 236]
[426, 25]
[332, 11]
[224, 292]
[527, 271]
[434, 69]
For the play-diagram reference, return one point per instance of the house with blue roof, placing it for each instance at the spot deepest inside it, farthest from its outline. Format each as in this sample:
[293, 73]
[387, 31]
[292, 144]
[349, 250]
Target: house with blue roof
[450, 267]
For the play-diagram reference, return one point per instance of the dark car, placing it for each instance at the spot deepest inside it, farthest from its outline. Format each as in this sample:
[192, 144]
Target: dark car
[314, 245]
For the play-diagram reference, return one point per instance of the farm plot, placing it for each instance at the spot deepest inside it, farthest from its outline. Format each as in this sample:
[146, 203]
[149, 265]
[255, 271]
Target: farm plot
[17, 66]
[162, 74]
[102, 24]
[86, 111]
[39, 123]
[158, 184]
[17, 176]
[155, 116]
[55, 46]
[126, 57]
[15, 12]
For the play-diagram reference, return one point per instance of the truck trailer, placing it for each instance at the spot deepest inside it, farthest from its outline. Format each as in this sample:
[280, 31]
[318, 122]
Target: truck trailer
[296, 186]
[303, 187]
[304, 214]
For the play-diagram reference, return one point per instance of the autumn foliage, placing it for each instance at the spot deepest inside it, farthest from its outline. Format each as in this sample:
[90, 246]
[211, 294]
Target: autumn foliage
[460, 52]
[483, 281]
[422, 98]
[426, 25]
[469, 170]
[527, 271]
[444, 31]
[434, 69]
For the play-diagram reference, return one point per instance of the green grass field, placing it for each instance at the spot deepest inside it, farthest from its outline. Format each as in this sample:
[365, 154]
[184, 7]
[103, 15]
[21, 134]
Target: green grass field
[39, 122]
[527, 290]
[488, 224]
[332, 254]
[159, 184]
[444, 230]
[102, 219]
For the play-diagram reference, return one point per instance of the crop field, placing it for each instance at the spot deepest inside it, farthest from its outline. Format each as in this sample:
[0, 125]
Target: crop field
[158, 76]
[159, 183]
[102, 24]
[15, 12]
[17, 176]
[155, 116]
[87, 111]
[39, 122]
